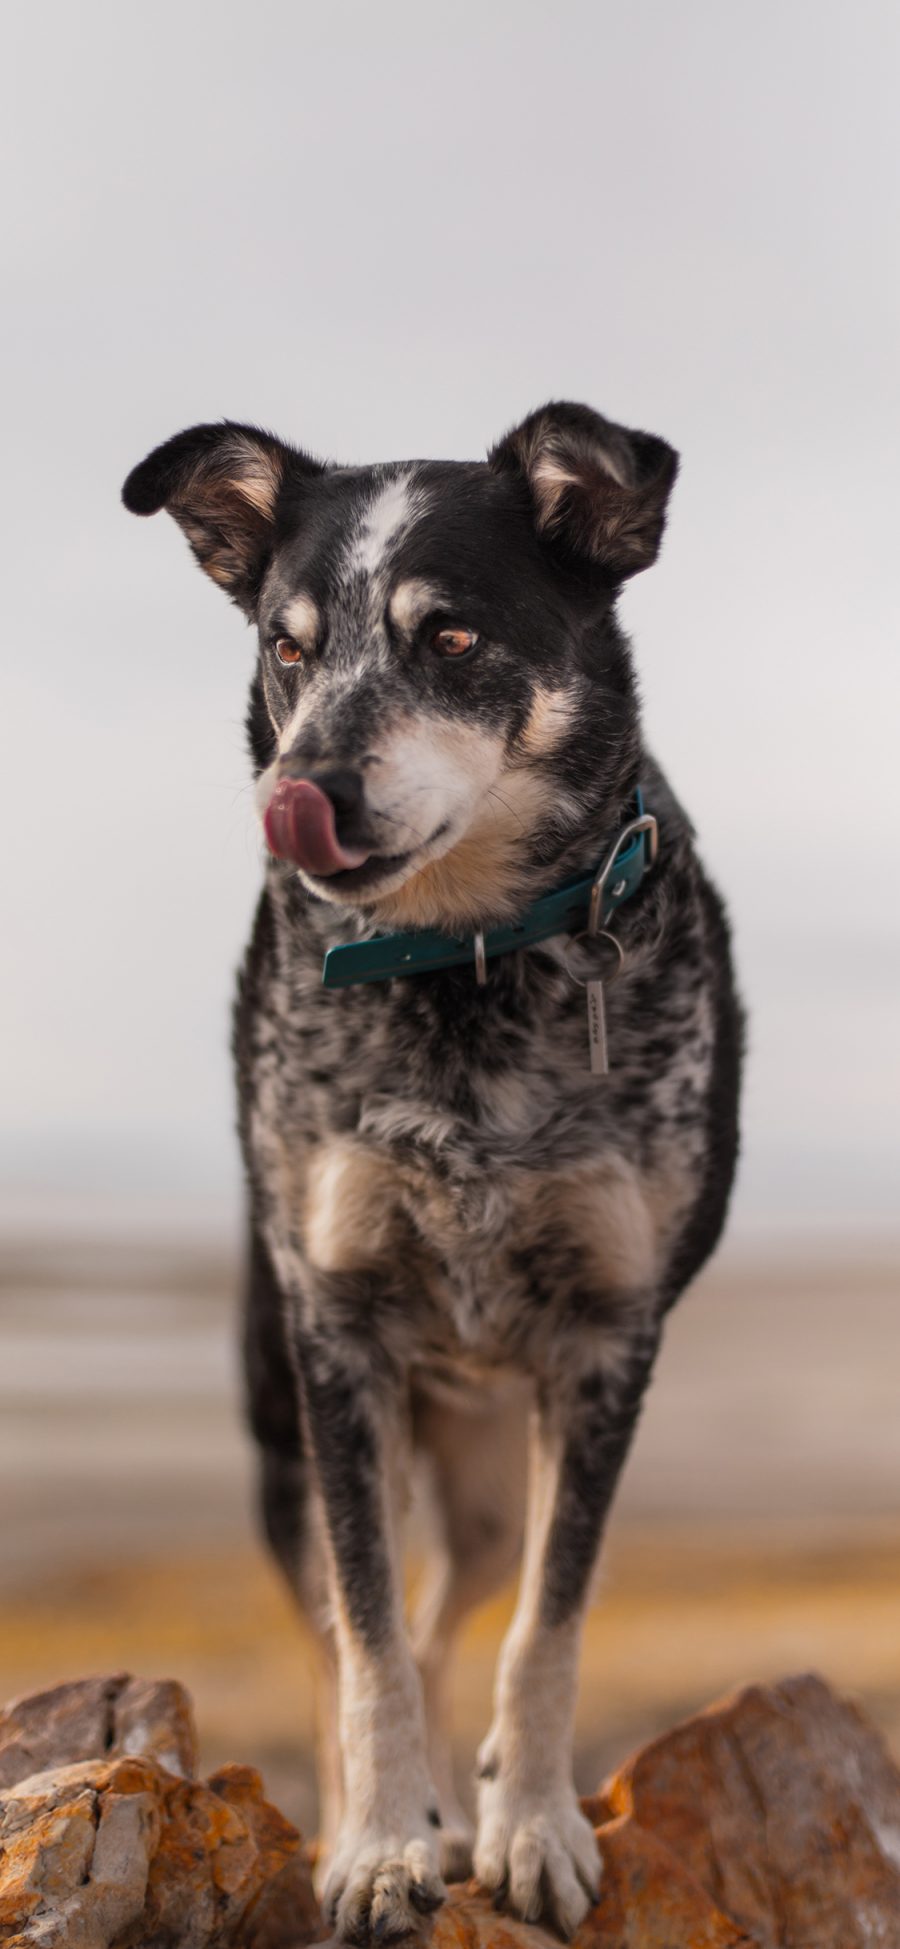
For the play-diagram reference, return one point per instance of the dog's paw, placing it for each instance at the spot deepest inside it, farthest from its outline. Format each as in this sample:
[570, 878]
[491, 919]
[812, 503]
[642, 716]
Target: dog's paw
[380, 1890]
[537, 1853]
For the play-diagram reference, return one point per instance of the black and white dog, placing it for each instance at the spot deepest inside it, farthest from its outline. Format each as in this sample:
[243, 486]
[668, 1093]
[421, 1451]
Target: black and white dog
[466, 1226]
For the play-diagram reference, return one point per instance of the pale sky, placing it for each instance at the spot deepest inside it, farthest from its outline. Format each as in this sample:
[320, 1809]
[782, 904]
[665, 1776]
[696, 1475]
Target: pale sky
[391, 231]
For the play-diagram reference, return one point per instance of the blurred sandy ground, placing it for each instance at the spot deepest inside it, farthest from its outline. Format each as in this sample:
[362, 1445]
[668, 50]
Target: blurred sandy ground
[757, 1532]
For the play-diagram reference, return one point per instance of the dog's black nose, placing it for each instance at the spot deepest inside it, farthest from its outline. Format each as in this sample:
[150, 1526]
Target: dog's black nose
[346, 791]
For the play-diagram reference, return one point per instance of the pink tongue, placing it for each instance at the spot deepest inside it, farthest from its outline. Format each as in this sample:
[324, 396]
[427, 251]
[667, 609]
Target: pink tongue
[299, 825]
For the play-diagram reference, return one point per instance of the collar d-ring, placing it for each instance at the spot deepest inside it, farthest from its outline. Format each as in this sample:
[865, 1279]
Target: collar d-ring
[646, 823]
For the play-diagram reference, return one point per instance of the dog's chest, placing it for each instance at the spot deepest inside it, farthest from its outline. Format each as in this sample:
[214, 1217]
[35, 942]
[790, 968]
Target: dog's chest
[460, 1156]
[445, 1209]
[473, 1295]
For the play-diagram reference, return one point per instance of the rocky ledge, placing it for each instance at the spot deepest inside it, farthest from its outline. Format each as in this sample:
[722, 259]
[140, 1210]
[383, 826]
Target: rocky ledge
[770, 1821]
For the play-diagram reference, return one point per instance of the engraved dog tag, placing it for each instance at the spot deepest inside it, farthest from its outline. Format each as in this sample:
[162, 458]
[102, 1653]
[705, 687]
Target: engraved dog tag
[595, 988]
[596, 1013]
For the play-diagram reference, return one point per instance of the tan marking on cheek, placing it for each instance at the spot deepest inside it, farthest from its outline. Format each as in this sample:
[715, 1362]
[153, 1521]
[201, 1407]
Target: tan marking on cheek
[482, 874]
[350, 1215]
[550, 717]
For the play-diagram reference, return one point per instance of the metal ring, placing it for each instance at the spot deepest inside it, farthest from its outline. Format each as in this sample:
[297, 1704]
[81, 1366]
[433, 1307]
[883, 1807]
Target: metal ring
[602, 934]
[480, 961]
[646, 823]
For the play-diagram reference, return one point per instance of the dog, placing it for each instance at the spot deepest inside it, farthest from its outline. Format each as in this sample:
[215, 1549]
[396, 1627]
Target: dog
[488, 1148]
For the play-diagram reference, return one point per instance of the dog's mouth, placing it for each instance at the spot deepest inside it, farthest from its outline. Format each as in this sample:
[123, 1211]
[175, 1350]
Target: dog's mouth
[300, 827]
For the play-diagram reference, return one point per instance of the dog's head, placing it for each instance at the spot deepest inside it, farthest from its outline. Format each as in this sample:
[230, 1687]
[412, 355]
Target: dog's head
[443, 706]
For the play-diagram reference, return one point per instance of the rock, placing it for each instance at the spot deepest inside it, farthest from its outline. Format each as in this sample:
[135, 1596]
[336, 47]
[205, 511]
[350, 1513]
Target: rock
[106, 1844]
[771, 1821]
[285, 1911]
[122, 1852]
[75, 1850]
[228, 1869]
[97, 1718]
[784, 1807]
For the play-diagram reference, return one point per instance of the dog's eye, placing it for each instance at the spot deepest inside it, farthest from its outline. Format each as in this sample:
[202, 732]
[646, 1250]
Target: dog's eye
[287, 651]
[454, 642]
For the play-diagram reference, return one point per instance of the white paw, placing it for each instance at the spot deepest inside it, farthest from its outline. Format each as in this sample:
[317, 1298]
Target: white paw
[380, 1888]
[537, 1850]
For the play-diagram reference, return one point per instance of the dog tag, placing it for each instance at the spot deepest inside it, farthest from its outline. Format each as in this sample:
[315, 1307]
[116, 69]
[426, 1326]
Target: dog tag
[596, 1014]
[595, 987]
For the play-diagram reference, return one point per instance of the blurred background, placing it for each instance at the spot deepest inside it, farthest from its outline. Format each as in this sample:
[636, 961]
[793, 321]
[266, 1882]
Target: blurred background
[386, 232]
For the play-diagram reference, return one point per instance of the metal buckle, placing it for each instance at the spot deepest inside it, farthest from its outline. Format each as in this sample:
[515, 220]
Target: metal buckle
[646, 823]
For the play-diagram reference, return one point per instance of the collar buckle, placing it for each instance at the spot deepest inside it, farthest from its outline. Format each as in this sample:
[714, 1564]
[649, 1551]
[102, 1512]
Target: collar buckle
[645, 823]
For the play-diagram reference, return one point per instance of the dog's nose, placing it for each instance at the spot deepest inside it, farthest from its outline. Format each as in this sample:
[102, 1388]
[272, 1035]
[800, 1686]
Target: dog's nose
[303, 818]
[346, 791]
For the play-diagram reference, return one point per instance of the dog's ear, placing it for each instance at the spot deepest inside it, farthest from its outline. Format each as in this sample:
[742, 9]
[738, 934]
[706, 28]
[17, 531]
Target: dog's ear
[221, 484]
[598, 488]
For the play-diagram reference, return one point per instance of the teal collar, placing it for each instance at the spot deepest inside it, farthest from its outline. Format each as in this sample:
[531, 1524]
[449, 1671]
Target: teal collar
[587, 903]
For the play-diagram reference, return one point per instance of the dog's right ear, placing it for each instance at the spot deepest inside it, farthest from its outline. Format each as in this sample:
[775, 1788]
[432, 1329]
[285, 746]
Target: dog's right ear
[221, 484]
[598, 489]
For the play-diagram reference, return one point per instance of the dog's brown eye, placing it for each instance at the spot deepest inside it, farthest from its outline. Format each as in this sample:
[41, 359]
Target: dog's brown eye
[454, 642]
[287, 650]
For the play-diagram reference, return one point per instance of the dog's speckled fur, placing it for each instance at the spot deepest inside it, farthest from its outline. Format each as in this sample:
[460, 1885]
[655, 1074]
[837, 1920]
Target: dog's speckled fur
[455, 1229]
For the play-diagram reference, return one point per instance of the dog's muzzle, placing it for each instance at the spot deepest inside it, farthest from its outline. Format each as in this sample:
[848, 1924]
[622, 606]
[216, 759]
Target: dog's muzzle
[300, 824]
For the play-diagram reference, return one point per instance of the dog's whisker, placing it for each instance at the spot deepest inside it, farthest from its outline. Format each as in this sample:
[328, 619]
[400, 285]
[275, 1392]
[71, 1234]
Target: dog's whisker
[493, 793]
[392, 820]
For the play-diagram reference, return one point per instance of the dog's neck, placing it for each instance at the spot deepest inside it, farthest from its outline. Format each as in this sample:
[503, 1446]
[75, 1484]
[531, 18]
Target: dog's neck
[487, 881]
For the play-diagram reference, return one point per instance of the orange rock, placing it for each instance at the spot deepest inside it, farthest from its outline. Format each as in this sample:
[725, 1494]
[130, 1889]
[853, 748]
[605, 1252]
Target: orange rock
[285, 1910]
[782, 1804]
[649, 1901]
[122, 1852]
[75, 1848]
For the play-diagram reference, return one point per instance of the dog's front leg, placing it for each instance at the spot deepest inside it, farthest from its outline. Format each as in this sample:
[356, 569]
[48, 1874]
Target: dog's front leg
[384, 1875]
[534, 1844]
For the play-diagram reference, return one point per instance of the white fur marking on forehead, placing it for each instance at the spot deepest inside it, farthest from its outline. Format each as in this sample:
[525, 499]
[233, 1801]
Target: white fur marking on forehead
[388, 516]
[301, 619]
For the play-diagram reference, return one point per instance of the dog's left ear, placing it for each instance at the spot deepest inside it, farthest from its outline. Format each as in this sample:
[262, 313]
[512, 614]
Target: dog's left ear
[598, 488]
[221, 484]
